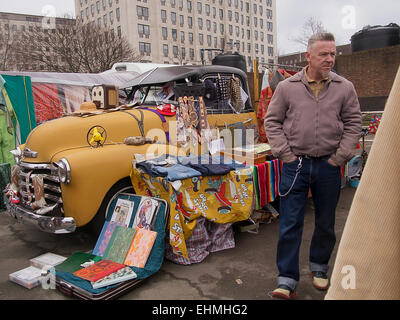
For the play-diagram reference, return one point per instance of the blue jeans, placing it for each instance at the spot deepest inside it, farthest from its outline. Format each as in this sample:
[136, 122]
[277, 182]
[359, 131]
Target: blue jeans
[324, 181]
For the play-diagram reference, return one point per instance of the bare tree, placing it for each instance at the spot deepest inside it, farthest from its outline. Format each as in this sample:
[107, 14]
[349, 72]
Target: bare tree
[74, 47]
[6, 48]
[311, 26]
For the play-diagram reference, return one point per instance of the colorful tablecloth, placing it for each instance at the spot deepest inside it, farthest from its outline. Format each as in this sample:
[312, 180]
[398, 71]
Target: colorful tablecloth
[220, 199]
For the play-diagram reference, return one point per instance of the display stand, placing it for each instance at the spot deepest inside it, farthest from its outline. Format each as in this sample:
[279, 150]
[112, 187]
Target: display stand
[72, 286]
[221, 199]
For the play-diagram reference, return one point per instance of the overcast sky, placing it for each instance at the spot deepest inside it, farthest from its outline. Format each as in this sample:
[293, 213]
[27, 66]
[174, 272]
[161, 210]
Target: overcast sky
[341, 17]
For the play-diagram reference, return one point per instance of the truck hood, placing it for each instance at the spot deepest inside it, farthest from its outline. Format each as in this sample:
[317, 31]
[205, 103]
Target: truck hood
[72, 132]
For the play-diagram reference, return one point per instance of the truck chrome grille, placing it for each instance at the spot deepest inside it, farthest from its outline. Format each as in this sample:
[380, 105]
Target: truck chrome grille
[51, 182]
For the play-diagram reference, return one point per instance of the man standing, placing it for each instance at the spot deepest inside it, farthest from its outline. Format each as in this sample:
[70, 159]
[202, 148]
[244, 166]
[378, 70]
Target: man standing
[313, 125]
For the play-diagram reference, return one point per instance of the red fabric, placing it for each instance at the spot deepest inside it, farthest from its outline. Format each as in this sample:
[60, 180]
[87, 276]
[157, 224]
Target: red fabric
[47, 102]
[265, 99]
[262, 183]
[270, 184]
[98, 270]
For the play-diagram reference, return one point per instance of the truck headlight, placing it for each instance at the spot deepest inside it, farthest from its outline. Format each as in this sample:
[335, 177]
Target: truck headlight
[17, 154]
[63, 170]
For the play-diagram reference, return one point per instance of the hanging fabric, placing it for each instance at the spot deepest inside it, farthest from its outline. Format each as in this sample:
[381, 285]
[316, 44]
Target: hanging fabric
[222, 93]
[234, 95]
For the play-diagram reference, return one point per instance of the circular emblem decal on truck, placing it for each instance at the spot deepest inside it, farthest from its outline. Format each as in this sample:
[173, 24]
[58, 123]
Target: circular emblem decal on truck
[96, 136]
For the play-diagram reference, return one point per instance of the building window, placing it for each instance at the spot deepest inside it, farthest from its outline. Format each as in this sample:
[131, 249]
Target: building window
[174, 34]
[163, 16]
[269, 13]
[271, 51]
[165, 50]
[175, 51]
[173, 17]
[144, 30]
[200, 23]
[190, 37]
[117, 14]
[144, 48]
[164, 33]
[142, 12]
[208, 11]
[201, 39]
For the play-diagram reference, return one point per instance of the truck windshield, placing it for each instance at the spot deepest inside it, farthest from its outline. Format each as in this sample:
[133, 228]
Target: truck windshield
[153, 95]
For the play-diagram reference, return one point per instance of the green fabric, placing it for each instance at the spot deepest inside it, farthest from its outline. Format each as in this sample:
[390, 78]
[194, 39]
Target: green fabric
[19, 90]
[7, 141]
[256, 188]
[5, 176]
[73, 263]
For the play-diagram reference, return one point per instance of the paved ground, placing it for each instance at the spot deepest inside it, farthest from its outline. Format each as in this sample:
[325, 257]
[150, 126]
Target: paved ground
[246, 272]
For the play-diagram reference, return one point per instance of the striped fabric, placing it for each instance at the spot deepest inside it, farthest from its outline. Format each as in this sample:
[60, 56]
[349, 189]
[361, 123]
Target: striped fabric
[266, 181]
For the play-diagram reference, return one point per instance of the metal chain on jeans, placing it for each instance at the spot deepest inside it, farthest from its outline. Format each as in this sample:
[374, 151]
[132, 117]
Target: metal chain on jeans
[295, 178]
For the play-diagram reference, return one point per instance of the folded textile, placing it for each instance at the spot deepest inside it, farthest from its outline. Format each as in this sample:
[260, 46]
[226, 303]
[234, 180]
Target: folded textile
[176, 172]
[211, 169]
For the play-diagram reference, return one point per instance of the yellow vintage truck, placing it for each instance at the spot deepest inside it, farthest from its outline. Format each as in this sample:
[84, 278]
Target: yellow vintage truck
[83, 159]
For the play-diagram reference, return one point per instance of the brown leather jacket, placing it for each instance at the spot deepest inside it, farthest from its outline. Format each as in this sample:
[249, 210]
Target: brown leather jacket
[299, 124]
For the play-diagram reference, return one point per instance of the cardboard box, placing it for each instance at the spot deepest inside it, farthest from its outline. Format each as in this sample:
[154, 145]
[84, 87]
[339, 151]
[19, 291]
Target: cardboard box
[250, 155]
[29, 277]
[47, 260]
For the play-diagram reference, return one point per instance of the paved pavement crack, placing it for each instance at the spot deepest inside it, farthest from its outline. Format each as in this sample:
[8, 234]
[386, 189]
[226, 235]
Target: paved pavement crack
[192, 284]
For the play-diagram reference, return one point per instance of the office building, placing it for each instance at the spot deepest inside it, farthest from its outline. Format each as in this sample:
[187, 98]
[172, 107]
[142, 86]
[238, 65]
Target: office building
[175, 31]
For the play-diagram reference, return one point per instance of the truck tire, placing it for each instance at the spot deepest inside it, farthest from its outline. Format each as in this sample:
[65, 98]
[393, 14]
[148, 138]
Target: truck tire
[122, 186]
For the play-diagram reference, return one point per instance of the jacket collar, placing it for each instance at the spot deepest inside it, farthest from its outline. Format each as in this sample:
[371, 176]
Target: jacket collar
[300, 76]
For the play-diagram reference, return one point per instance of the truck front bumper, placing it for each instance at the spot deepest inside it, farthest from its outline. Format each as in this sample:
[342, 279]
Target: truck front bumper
[48, 224]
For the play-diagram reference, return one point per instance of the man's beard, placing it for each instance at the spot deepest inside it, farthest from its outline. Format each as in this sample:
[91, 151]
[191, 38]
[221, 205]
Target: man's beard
[325, 74]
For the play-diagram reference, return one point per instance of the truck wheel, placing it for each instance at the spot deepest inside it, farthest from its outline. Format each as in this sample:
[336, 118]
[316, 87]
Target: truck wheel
[122, 186]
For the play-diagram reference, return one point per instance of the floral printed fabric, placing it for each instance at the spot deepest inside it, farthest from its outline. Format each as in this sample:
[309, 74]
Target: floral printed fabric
[221, 199]
[47, 102]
